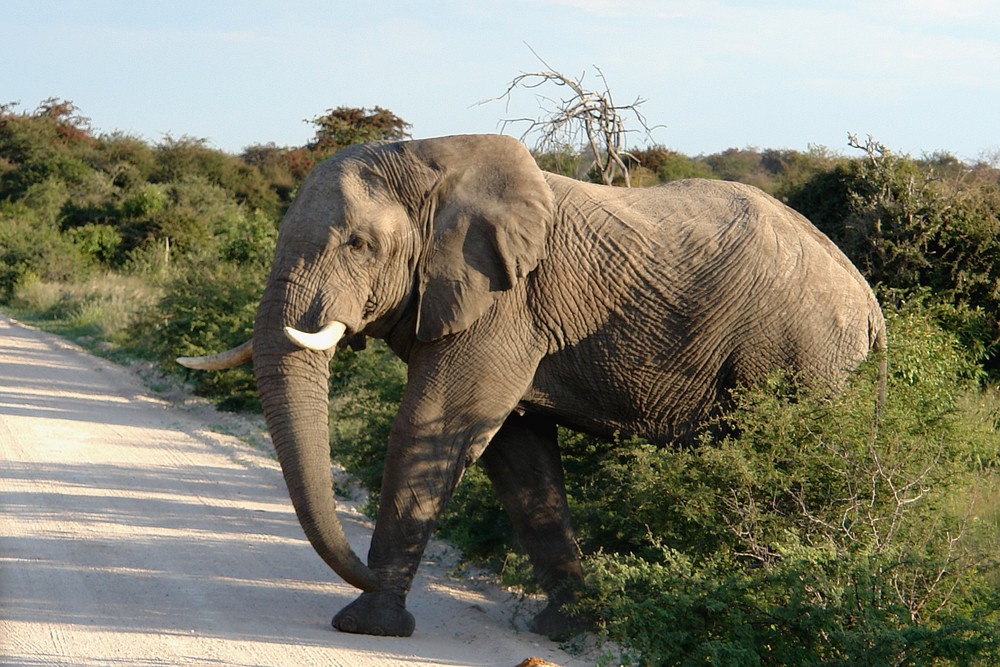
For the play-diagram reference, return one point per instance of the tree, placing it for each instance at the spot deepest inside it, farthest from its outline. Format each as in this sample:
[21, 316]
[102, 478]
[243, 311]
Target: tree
[65, 116]
[345, 126]
[588, 118]
[669, 165]
[54, 141]
[914, 228]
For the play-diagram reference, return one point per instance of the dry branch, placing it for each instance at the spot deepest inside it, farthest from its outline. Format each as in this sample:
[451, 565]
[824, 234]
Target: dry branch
[584, 119]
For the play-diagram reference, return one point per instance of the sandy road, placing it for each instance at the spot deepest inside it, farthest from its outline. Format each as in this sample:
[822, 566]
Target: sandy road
[132, 533]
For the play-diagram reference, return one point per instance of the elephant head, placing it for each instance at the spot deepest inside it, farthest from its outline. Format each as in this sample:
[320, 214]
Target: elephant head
[410, 242]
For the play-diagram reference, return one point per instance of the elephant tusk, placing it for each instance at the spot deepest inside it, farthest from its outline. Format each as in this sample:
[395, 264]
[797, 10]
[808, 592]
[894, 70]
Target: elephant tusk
[222, 360]
[321, 341]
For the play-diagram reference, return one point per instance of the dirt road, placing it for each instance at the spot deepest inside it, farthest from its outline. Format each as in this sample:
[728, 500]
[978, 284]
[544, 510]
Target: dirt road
[133, 533]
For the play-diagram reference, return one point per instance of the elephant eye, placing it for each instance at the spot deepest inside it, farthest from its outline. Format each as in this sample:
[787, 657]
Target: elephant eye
[357, 243]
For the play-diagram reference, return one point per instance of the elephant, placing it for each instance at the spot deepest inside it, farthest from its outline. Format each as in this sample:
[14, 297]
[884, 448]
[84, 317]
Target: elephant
[520, 301]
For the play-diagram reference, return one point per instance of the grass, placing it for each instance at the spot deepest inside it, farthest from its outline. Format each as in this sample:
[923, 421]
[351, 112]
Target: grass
[97, 313]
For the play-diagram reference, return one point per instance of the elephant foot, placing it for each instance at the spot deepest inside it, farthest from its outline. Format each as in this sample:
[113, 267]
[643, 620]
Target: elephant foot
[554, 623]
[380, 613]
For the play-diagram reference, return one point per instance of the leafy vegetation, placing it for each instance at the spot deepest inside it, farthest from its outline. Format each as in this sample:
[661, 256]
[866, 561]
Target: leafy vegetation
[809, 538]
[806, 539]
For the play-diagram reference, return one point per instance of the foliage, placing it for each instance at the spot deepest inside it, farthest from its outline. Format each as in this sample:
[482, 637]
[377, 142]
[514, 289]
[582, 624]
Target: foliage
[669, 165]
[927, 230]
[51, 142]
[344, 126]
[177, 160]
[799, 540]
[282, 168]
[565, 161]
[207, 308]
[32, 249]
[94, 202]
[210, 303]
[816, 608]
[803, 540]
[194, 223]
[365, 390]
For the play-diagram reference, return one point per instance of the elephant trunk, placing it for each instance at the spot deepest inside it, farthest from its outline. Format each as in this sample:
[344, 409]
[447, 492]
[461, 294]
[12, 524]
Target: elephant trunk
[293, 386]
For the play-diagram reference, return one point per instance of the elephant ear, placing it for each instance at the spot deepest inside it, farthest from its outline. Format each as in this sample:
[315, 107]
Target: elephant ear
[491, 213]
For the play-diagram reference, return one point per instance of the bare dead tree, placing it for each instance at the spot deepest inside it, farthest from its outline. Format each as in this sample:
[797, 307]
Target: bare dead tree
[587, 119]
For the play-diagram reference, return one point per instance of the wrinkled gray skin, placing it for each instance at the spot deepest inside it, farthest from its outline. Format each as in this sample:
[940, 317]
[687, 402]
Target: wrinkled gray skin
[521, 300]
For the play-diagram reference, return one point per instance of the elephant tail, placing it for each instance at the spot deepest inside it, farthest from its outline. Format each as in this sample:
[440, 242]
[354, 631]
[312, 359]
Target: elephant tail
[880, 346]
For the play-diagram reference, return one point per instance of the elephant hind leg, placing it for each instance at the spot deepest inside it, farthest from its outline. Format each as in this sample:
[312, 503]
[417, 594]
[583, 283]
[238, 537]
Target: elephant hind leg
[523, 463]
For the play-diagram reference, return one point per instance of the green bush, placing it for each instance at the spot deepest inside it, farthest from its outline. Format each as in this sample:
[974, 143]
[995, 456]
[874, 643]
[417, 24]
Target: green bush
[34, 249]
[179, 160]
[812, 608]
[929, 229]
[206, 308]
[128, 160]
[53, 142]
[99, 243]
[365, 389]
[345, 126]
[803, 540]
[566, 162]
[669, 165]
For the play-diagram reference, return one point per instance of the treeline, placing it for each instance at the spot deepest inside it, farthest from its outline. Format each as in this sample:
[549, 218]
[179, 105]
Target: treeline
[75, 203]
[85, 201]
[159, 249]
[808, 538]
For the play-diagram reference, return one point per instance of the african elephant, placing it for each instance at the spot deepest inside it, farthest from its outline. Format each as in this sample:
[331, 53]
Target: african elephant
[520, 300]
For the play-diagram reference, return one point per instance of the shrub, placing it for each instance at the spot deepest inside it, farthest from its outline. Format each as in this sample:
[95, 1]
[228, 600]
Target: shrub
[812, 608]
[365, 389]
[803, 540]
[99, 243]
[129, 160]
[927, 229]
[33, 249]
[567, 162]
[206, 308]
[282, 168]
[807, 538]
[344, 126]
[670, 165]
[196, 210]
[53, 142]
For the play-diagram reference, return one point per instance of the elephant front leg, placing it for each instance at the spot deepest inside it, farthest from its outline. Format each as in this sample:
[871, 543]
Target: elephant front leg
[444, 422]
[421, 472]
[382, 613]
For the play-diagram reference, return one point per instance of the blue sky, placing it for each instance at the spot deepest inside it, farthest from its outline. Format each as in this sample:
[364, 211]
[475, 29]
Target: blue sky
[919, 75]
